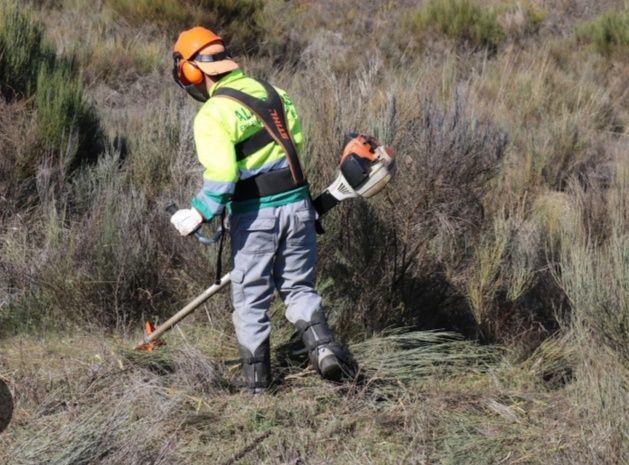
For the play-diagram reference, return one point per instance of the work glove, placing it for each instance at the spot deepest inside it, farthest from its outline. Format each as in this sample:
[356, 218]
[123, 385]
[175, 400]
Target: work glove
[186, 220]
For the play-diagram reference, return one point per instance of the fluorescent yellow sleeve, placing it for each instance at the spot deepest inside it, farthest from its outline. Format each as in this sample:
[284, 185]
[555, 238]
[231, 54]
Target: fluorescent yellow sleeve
[215, 149]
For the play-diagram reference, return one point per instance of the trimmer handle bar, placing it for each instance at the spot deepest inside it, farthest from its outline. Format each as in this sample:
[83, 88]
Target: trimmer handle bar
[172, 209]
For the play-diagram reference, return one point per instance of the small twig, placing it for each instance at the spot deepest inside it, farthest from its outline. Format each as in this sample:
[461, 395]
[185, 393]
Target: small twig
[302, 374]
[209, 318]
[181, 333]
[248, 448]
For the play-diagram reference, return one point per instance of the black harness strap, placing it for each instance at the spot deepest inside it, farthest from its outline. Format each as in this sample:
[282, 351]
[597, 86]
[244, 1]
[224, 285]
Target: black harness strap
[272, 115]
[252, 144]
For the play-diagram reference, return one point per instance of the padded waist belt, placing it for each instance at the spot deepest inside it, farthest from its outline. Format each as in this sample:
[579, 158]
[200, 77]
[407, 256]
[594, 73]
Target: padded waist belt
[270, 183]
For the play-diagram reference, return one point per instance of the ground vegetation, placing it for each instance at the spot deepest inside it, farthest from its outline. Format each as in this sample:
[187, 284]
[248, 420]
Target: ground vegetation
[485, 293]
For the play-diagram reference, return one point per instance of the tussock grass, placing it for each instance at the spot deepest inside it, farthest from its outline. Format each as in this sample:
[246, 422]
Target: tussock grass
[464, 20]
[608, 33]
[591, 269]
[594, 268]
[522, 19]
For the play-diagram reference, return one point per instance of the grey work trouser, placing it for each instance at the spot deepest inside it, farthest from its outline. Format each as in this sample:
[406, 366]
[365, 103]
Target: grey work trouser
[272, 248]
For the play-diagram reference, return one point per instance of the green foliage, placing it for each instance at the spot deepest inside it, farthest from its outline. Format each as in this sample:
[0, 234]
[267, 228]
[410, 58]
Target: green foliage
[66, 122]
[65, 125]
[534, 15]
[59, 104]
[608, 33]
[463, 20]
[23, 51]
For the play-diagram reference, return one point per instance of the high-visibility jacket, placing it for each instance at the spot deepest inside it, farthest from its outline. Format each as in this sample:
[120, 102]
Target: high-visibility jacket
[218, 126]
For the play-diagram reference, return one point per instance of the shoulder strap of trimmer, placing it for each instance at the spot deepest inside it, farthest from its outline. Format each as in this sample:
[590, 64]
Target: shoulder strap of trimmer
[271, 114]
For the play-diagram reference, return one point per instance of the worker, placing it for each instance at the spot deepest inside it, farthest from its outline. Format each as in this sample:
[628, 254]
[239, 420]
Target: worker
[248, 139]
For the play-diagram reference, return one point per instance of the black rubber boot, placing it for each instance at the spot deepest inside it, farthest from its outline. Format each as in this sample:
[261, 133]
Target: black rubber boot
[330, 359]
[256, 368]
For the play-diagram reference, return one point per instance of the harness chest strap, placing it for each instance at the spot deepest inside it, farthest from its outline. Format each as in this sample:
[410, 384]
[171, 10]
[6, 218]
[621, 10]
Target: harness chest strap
[271, 114]
[252, 144]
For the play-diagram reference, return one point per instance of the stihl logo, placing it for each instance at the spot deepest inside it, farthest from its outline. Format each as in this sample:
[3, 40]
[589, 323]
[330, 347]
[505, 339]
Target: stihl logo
[278, 124]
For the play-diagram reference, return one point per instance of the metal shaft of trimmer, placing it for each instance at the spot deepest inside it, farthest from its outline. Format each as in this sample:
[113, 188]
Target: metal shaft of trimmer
[181, 314]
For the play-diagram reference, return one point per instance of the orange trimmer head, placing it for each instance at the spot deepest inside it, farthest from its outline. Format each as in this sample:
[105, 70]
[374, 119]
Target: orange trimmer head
[150, 345]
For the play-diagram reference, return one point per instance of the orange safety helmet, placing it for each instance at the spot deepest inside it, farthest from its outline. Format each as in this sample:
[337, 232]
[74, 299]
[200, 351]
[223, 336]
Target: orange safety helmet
[198, 51]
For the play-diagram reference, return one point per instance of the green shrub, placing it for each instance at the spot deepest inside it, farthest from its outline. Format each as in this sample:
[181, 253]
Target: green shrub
[23, 51]
[65, 124]
[609, 32]
[59, 103]
[463, 20]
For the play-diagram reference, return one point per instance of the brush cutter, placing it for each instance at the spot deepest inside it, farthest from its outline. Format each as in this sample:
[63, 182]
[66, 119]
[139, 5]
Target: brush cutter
[366, 167]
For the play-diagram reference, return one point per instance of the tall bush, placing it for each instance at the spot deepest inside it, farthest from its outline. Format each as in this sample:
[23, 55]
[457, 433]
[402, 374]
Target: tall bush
[23, 51]
[65, 129]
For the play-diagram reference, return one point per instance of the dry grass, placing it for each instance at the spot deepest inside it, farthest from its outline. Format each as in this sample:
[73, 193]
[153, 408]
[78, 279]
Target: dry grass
[98, 405]
[425, 397]
[463, 20]
[506, 222]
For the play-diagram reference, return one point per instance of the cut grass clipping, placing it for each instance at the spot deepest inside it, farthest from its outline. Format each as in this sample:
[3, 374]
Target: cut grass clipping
[406, 357]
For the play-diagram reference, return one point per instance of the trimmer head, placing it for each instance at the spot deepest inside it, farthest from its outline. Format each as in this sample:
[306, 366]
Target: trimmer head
[148, 346]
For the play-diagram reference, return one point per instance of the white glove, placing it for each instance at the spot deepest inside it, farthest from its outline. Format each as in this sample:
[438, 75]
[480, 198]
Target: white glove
[186, 220]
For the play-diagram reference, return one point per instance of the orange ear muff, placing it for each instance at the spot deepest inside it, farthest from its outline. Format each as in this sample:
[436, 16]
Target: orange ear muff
[190, 72]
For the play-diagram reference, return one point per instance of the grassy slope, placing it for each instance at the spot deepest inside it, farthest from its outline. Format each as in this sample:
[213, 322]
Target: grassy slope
[507, 221]
[91, 404]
